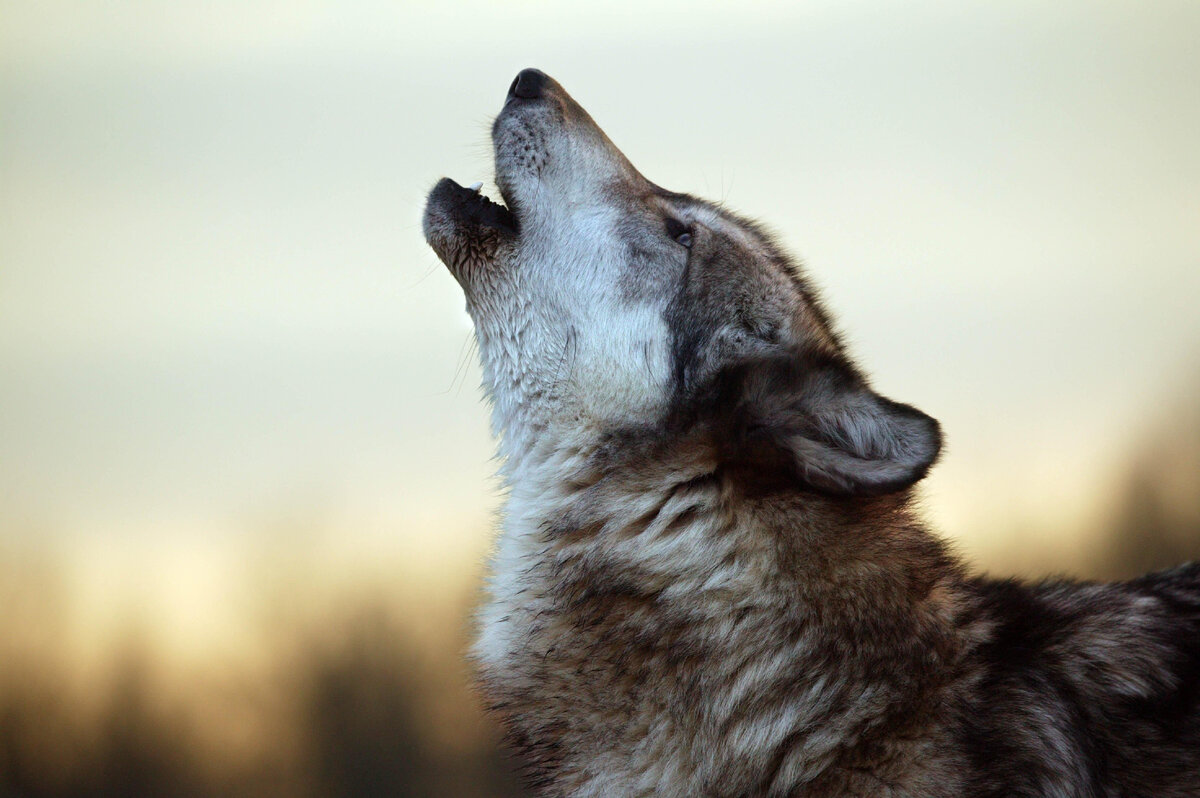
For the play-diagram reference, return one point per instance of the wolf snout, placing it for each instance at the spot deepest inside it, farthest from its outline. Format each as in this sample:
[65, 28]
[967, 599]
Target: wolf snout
[529, 84]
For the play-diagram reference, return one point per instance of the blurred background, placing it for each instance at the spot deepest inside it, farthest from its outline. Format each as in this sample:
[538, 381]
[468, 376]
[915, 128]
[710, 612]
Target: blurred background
[245, 475]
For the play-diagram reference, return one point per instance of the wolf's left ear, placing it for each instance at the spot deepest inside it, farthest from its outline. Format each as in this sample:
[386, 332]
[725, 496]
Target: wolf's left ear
[821, 422]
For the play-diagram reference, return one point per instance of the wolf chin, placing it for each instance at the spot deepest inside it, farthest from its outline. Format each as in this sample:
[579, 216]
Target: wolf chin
[710, 578]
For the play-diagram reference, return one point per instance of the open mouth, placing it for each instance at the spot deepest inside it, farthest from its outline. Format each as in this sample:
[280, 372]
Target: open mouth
[467, 228]
[468, 205]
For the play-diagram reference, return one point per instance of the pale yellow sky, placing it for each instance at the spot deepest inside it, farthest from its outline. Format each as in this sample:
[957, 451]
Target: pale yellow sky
[216, 306]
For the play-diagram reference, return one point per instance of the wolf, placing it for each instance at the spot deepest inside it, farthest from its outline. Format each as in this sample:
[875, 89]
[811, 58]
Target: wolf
[711, 579]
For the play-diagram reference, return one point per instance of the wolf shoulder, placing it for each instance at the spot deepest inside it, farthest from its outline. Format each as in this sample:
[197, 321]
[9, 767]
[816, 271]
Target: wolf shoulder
[1087, 685]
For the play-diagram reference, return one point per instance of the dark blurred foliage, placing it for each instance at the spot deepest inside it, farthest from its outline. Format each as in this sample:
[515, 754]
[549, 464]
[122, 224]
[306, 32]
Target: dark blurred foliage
[54, 744]
[362, 706]
[344, 714]
[1157, 521]
[360, 703]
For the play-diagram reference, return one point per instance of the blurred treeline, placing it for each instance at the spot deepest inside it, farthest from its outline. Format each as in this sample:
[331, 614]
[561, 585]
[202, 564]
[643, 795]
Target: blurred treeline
[351, 701]
[345, 704]
[1156, 521]
[1145, 518]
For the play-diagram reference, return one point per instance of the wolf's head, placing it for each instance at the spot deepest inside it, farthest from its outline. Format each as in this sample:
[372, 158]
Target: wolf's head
[604, 303]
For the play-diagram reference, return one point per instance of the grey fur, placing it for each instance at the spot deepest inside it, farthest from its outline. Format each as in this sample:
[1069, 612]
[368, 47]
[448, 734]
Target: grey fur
[710, 579]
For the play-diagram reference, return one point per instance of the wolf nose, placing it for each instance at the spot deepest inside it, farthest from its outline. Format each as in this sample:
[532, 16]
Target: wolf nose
[528, 84]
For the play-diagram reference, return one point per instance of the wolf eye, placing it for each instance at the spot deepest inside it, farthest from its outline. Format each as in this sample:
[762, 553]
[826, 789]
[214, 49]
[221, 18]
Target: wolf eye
[678, 231]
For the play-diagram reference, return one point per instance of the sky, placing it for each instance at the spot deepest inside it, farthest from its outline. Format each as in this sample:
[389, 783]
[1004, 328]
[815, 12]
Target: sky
[220, 328]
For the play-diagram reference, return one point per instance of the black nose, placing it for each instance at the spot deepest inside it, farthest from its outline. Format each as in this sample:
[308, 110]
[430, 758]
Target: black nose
[528, 84]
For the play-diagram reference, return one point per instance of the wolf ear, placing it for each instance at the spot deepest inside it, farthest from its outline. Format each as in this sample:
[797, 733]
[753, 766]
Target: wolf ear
[820, 423]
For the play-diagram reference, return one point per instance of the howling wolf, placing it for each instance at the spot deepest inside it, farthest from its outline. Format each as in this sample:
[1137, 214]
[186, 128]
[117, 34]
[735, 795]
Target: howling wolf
[710, 579]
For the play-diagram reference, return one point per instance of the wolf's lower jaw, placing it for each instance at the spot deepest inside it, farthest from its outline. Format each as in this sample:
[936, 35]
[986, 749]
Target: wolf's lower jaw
[644, 636]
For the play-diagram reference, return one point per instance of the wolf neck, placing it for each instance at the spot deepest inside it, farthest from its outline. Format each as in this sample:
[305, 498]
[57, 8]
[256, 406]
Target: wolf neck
[657, 574]
[540, 431]
[522, 398]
